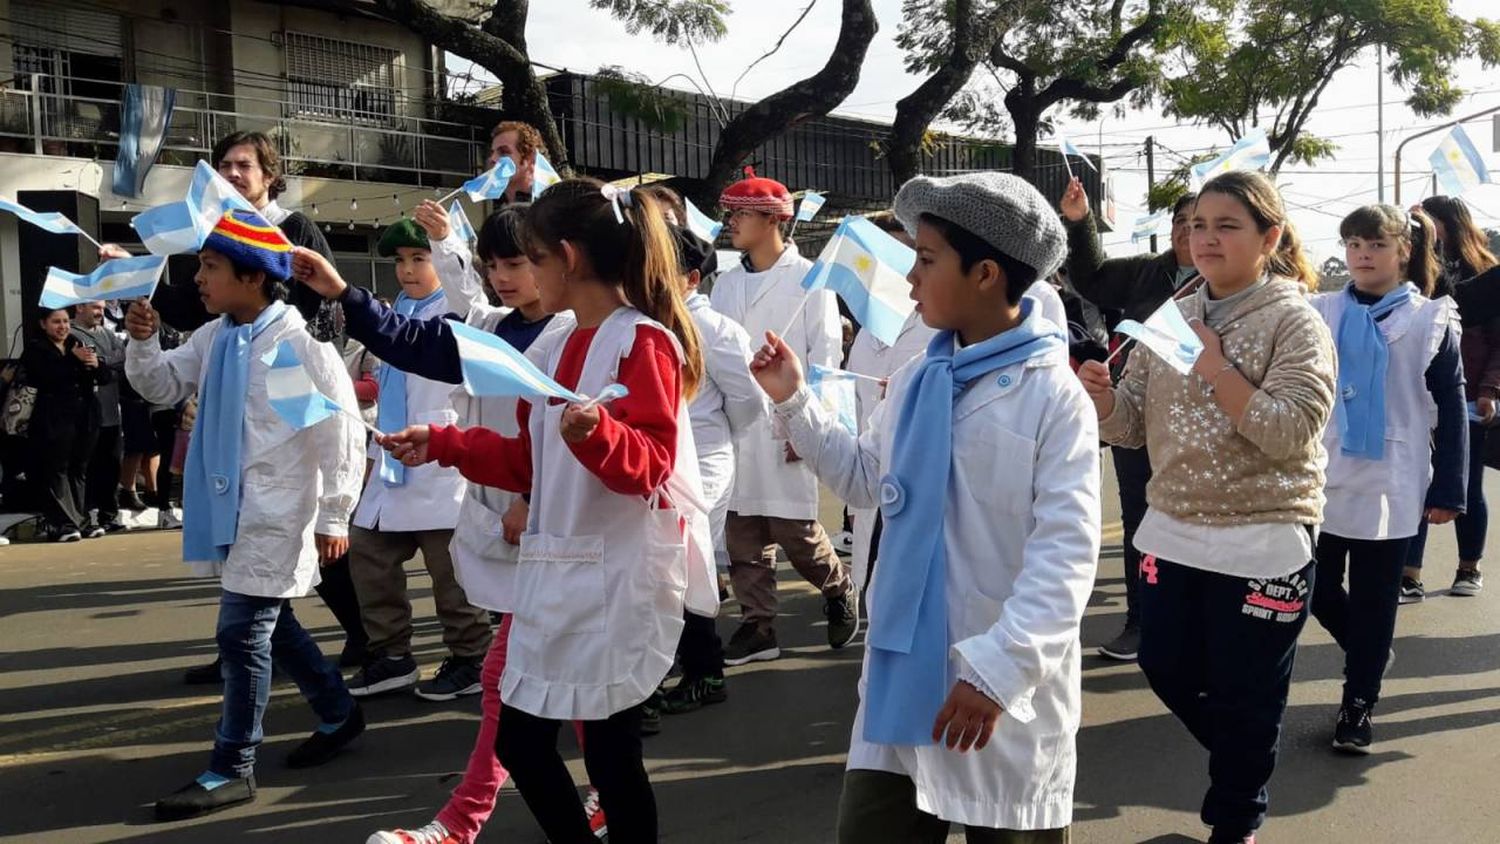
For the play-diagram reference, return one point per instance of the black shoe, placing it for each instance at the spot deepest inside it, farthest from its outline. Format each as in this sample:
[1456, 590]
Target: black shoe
[1411, 590]
[692, 693]
[842, 613]
[1125, 647]
[353, 655]
[651, 714]
[202, 675]
[193, 800]
[1467, 583]
[131, 500]
[751, 643]
[456, 676]
[1352, 732]
[381, 674]
[114, 527]
[320, 747]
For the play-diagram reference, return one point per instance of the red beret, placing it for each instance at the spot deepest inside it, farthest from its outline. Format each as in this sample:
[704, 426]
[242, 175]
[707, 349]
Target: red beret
[755, 193]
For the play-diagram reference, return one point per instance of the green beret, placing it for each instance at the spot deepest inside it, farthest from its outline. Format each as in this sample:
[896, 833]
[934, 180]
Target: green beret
[402, 233]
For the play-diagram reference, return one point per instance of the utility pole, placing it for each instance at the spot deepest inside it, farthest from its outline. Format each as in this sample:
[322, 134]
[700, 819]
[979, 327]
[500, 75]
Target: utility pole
[1150, 176]
[1380, 121]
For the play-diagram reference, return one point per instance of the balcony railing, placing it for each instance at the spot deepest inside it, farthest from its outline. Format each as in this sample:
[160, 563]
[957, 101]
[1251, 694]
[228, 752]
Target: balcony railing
[410, 150]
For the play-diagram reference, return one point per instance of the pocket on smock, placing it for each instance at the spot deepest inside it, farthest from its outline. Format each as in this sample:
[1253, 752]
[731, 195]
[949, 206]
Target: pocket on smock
[995, 466]
[560, 584]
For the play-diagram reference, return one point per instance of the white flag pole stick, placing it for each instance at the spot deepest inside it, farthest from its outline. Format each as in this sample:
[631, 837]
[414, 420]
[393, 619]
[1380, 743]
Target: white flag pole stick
[795, 315]
[1066, 165]
[455, 192]
[361, 420]
[90, 239]
[1118, 349]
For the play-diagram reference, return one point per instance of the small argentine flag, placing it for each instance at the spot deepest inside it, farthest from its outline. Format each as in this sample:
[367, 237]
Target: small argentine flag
[461, 224]
[867, 268]
[179, 227]
[291, 391]
[493, 367]
[700, 223]
[491, 183]
[1252, 152]
[1167, 334]
[51, 221]
[1151, 224]
[121, 278]
[1067, 148]
[811, 204]
[1458, 164]
[544, 176]
[835, 389]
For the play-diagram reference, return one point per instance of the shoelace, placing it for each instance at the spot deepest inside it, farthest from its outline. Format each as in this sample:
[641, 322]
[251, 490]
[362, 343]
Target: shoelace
[591, 803]
[433, 833]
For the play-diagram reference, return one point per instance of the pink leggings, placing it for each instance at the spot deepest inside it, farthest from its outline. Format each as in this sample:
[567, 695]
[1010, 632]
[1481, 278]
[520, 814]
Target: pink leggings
[474, 798]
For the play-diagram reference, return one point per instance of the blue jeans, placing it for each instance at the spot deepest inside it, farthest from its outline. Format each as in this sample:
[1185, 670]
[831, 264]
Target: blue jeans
[252, 631]
[1472, 527]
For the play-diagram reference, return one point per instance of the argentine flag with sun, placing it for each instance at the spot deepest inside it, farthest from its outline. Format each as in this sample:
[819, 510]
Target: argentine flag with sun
[867, 268]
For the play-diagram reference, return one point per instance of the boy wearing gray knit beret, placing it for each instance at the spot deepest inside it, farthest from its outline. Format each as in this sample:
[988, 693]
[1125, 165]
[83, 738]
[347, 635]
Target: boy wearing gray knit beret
[970, 699]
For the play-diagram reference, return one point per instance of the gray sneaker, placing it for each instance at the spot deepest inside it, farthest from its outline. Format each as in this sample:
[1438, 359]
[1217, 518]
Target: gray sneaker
[1467, 583]
[842, 613]
[456, 677]
[384, 674]
[1125, 647]
[751, 643]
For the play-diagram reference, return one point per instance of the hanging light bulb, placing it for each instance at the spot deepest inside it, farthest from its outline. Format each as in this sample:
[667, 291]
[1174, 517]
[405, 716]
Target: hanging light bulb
[315, 209]
[328, 227]
[395, 197]
[354, 205]
[351, 225]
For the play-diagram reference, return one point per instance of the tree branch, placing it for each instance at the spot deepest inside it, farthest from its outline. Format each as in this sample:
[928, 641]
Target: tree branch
[771, 52]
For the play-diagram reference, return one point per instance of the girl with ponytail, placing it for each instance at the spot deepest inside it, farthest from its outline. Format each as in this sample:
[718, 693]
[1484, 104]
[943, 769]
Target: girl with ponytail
[606, 565]
[1388, 470]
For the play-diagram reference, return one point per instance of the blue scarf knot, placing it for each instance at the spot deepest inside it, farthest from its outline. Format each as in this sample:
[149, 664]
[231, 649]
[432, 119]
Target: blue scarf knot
[1363, 360]
[211, 475]
[908, 641]
[390, 404]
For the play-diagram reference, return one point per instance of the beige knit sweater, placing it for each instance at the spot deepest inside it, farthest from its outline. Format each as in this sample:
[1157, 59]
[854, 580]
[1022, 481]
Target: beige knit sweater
[1269, 467]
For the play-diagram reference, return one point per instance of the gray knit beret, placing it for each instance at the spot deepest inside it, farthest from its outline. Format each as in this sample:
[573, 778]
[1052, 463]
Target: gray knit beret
[1004, 211]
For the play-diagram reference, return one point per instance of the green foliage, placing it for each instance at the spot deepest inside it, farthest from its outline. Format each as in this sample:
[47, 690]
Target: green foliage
[672, 21]
[633, 95]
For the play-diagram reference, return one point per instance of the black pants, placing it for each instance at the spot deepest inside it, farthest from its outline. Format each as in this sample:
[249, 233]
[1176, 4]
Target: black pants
[1132, 473]
[527, 747]
[101, 487]
[700, 650]
[337, 591]
[1363, 619]
[1218, 651]
[62, 449]
[164, 426]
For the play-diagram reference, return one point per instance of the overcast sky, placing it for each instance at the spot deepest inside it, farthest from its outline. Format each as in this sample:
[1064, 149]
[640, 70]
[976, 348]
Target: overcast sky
[568, 34]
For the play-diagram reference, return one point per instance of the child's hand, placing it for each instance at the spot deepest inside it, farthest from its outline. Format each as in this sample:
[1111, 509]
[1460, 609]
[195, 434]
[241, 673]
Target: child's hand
[776, 369]
[433, 219]
[330, 548]
[111, 251]
[1100, 387]
[1075, 202]
[968, 717]
[513, 523]
[409, 445]
[141, 320]
[313, 270]
[1440, 516]
[578, 423]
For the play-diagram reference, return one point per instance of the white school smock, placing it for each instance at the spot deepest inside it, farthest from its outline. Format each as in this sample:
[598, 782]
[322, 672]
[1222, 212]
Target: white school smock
[728, 404]
[294, 484]
[1049, 305]
[1021, 531]
[430, 497]
[1386, 499]
[765, 484]
[483, 562]
[603, 578]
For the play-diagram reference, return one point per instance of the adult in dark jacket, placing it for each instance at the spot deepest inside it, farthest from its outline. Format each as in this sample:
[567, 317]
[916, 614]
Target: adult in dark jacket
[1136, 286]
[64, 422]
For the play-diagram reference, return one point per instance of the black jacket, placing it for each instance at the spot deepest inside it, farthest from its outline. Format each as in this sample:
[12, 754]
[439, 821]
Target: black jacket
[64, 387]
[1135, 285]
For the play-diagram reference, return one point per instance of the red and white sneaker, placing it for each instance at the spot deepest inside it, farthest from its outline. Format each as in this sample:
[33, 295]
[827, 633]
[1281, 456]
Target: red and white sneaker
[595, 812]
[433, 833]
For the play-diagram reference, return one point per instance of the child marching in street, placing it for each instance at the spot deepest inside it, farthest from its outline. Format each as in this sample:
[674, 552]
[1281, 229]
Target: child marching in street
[1237, 491]
[604, 570]
[265, 504]
[1398, 357]
[984, 462]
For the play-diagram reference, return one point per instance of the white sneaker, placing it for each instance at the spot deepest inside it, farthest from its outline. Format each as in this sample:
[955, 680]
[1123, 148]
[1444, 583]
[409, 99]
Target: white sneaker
[4, 541]
[167, 520]
[843, 542]
[433, 833]
[70, 536]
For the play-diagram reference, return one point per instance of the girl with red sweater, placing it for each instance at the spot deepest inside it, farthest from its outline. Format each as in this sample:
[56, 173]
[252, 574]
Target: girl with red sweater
[604, 572]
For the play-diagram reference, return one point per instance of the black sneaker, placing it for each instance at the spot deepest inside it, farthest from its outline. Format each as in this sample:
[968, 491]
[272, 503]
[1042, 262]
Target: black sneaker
[130, 500]
[353, 655]
[203, 675]
[320, 747]
[1125, 647]
[751, 643]
[456, 677]
[93, 531]
[193, 800]
[692, 693]
[651, 714]
[842, 613]
[383, 674]
[1411, 590]
[1467, 583]
[114, 527]
[1352, 732]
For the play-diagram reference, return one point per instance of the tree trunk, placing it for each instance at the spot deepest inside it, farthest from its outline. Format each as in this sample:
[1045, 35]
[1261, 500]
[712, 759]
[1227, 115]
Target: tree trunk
[1026, 118]
[812, 97]
[916, 111]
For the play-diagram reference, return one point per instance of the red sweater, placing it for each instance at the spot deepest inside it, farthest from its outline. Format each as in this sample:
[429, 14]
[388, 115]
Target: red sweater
[631, 451]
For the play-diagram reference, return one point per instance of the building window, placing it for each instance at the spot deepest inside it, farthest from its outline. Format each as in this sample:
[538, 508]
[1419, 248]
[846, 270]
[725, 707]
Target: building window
[328, 79]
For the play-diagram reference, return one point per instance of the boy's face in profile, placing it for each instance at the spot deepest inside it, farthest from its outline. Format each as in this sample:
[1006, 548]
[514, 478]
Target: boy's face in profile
[221, 289]
[944, 293]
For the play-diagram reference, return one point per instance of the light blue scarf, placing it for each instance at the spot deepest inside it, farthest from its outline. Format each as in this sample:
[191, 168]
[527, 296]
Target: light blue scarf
[1363, 359]
[390, 404]
[211, 476]
[908, 679]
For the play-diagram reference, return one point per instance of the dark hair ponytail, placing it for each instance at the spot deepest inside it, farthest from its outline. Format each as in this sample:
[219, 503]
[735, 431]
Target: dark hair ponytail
[635, 250]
